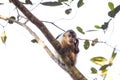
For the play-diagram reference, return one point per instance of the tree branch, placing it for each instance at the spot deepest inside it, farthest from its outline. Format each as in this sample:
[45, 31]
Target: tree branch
[72, 70]
[37, 38]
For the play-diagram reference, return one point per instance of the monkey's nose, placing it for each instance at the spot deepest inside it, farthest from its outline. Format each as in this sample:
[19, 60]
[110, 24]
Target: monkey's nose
[71, 41]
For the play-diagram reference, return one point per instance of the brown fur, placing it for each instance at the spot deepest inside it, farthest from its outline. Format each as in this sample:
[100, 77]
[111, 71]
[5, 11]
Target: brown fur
[67, 43]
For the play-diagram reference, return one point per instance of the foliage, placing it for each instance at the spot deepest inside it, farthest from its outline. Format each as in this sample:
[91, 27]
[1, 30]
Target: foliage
[101, 61]
[3, 36]
[93, 70]
[68, 11]
[28, 2]
[97, 27]
[112, 13]
[80, 3]
[55, 3]
[62, 0]
[111, 5]
[80, 30]
[104, 26]
[86, 44]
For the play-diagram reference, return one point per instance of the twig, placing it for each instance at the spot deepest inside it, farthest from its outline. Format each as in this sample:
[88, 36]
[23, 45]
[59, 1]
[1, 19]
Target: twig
[54, 25]
[92, 40]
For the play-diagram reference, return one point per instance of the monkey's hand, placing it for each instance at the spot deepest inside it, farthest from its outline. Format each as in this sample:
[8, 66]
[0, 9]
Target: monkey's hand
[76, 49]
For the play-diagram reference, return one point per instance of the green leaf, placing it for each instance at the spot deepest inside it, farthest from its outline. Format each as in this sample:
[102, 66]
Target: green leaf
[62, 0]
[99, 60]
[93, 70]
[97, 27]
[68, 11]
[113, 12]
[111, 5]
[86, 44]
[34, 41]
[52, 3]
[80, 3]
[28, 2]
[3, 37]
[112, 57]
[113, 54]
[80, 29]
[104, 67]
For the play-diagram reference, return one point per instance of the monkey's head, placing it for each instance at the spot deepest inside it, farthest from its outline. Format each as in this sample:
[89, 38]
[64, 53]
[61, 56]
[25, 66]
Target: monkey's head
[70, 37]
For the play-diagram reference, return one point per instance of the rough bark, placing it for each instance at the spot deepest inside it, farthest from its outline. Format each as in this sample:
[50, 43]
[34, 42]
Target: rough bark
[72, 70]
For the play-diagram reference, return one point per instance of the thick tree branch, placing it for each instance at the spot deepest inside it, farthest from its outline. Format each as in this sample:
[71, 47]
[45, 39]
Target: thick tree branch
[72, 70]
[37, 38]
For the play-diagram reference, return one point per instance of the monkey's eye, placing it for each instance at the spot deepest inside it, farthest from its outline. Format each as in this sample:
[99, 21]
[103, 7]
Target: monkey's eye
[73, 36]
[69, 35]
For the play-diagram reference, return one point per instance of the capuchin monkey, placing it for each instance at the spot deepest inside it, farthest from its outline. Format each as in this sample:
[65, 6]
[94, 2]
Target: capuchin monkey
[69, 44]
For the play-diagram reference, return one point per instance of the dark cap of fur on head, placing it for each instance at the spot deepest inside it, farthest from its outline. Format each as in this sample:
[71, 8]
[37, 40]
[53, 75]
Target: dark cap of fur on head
[71, 31]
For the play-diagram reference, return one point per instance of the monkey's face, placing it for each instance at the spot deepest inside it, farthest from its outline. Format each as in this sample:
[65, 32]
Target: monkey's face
[70, 38]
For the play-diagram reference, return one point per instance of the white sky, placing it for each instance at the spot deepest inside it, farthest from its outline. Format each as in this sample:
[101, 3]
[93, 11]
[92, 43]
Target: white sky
[22, 60]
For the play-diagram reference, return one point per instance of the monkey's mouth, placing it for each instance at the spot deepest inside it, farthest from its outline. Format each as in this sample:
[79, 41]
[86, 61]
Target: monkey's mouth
[71, 41]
